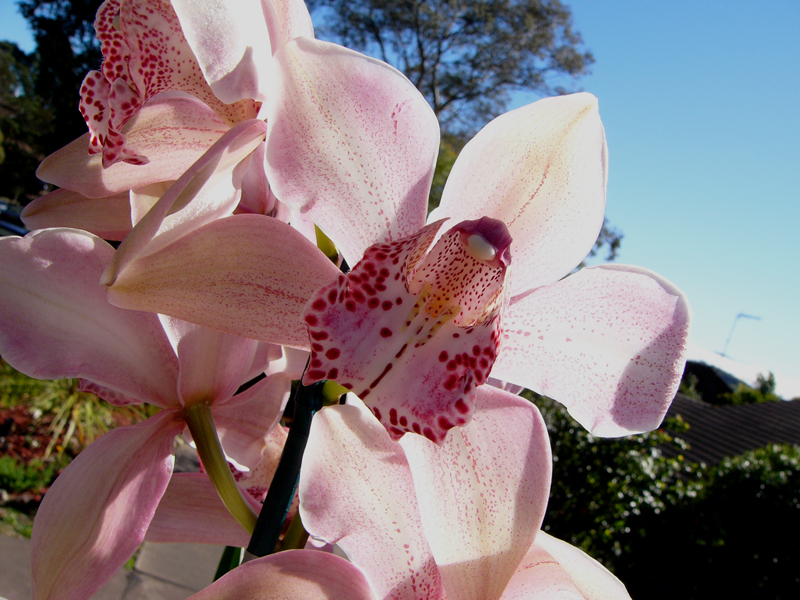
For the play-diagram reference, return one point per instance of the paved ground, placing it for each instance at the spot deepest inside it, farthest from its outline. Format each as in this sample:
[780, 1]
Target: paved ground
[162, 572]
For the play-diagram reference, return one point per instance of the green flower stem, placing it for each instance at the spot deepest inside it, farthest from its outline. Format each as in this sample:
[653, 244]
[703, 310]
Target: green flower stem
[308, 400]
[201, 425]
[296, 536]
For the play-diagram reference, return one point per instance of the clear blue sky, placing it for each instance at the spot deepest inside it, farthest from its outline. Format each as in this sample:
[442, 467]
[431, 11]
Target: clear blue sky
[700, 105]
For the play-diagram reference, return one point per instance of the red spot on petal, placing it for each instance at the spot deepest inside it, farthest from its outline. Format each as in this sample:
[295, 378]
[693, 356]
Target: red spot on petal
[311, 319]
[333, 373]
[393, 416]
[461, 406]
[386, 332]
[332, 354]
[443, 356]
[319, 335]
[319, 304]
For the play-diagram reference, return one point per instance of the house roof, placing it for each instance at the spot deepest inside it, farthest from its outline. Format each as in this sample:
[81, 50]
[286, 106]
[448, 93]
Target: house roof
[719, 431]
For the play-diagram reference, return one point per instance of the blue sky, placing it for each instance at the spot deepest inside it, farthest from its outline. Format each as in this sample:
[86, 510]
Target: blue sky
[699, 101]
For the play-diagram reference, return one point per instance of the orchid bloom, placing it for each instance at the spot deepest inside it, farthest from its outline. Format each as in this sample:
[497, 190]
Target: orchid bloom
[352, 148]
[55, 322]
[170, 87]
[460, 521]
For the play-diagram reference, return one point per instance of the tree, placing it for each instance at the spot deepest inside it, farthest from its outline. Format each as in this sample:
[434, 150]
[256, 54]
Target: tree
[465, 56]
[23, 122]
[66, 49]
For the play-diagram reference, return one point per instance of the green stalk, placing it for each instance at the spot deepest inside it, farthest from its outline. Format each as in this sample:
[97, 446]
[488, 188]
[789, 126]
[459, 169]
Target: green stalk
[201, 425]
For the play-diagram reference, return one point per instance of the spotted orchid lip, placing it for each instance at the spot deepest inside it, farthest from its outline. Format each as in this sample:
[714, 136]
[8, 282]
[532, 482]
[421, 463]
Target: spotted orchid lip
[412, 330]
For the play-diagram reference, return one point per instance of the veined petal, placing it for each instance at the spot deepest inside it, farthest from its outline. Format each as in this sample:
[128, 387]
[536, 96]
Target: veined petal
[542, 170]
[291, 575]
[233, 54]
[287, 19]
[212, 185]
[607, 342]
[413, 335]
[212, 364]
[482, 494]
[174, 131]
[57, 321]
[191, 512]
[244, 422]
[555, 569]
[96, 513]
[268, 268]
[108, 218]
[352, 142]
[356, 491]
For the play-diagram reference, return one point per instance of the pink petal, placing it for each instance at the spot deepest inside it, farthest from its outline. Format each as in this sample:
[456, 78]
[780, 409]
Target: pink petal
[287, 20]
[352, 142]
[256, 482]
[607, 342]
[412, 336]
[212, 185]
[542, 170]
[172, 131]
[108, 218]
[233, 54]
[268, 268]
[356, 491]
[96, 513]
[482, 495]
[555, 569]
[291, 575]
[191, 512]
[245, 439]
[56, 321]
[212, 364]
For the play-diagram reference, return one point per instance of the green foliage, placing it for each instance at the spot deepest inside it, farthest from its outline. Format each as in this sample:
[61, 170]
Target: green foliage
[764, 392]
[24, 120]
[737, 538]
[601, 485]
[688, 387]
[18, 477]
[75, 417]
[465, 56]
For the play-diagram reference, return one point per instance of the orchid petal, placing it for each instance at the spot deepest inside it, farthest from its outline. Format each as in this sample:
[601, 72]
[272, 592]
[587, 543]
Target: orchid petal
[482, 495]
[356, 491]
[173, 131]
[232, 54]
[57, 322]
[145, 53]
[291, 575]
[555, 569]
[212, 364]
[542, 170]
[191, 512]
[412, 335]
[287, 19]
[256, 482]
[292, 362]
[261, 405]
[267, 267]
[352, 142]
[108, 218]
[212, 185]
[607, 342]
[96, 513]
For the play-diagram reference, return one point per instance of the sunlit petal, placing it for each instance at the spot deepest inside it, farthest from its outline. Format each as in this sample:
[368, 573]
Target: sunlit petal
[356, 491]
[268, 268]
[173, 131]
[607, 342]
[57, 322]
[108, 218]
[291, 575]
[191, 512]
[352, 142]
[541, 169]
[556, 570]
[96, 513]
[482, 494]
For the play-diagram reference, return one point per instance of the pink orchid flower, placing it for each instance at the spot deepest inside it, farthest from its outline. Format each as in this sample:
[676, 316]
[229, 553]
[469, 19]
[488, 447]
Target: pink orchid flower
[608, 341]
[55, 322]
[458, 521]
[170, 87]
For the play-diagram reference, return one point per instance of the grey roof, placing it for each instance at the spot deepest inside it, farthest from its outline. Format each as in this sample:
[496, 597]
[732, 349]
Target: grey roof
[719, 431]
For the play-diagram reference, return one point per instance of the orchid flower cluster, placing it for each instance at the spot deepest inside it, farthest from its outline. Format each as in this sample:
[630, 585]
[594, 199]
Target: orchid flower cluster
[226, 147]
